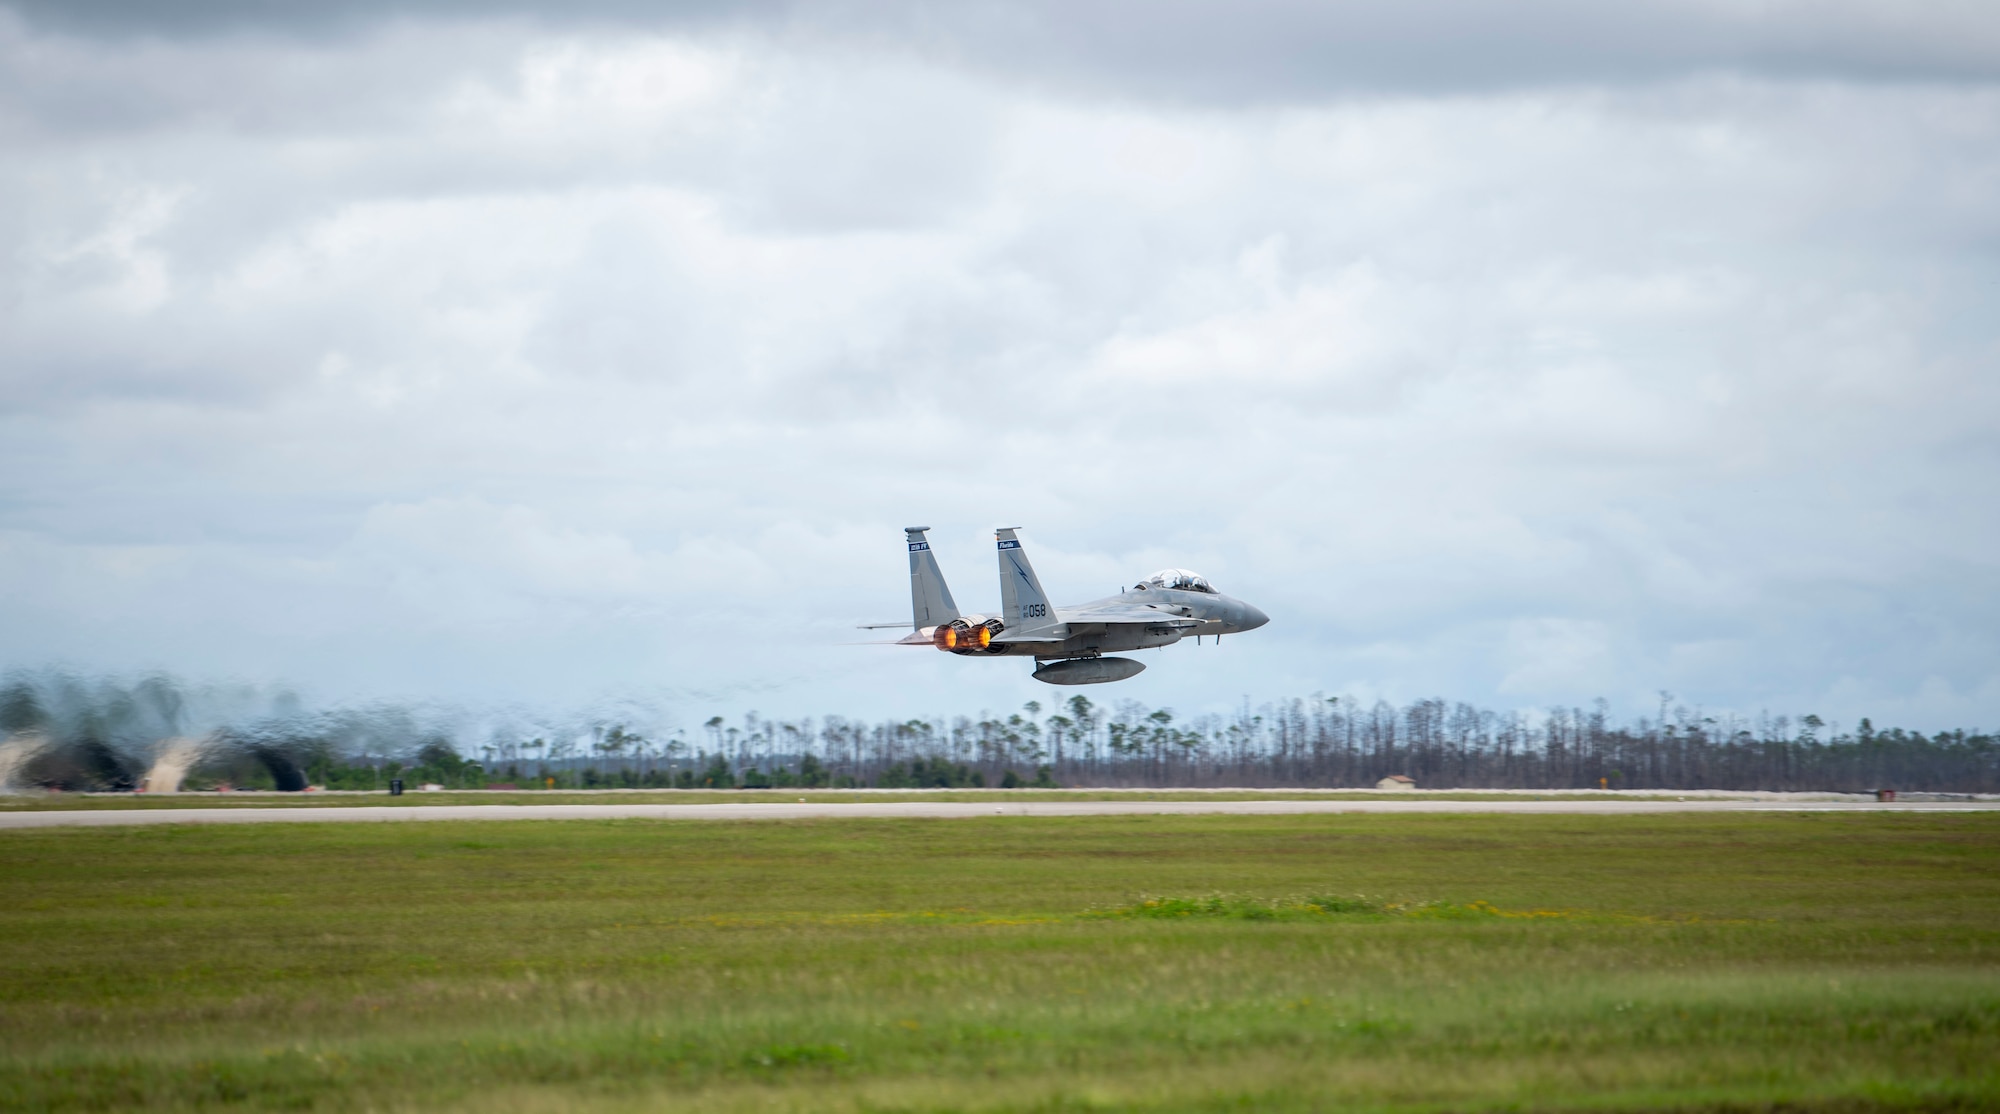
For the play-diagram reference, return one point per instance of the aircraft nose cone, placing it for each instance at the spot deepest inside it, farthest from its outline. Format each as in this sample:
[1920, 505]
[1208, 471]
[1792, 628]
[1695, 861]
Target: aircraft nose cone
[1253, 618]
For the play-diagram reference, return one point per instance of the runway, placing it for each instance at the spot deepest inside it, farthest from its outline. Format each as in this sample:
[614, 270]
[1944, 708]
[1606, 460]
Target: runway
[930, 810]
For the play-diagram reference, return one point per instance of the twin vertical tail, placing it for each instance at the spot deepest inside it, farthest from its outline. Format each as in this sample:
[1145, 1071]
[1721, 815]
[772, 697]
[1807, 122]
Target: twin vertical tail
[930, 600]
[1023, 605]
[1025, 608]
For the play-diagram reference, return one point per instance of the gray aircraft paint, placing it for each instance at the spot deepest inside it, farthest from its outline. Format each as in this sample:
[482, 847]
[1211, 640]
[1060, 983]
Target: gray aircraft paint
[1088, 671]
[930, 600]
[1024, 607]
[1150, 615]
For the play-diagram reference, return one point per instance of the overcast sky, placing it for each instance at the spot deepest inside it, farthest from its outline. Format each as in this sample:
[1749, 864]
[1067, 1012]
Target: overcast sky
[1520, 354]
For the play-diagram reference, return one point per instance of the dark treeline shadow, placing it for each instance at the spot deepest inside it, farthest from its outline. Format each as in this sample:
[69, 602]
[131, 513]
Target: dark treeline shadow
[65, 732]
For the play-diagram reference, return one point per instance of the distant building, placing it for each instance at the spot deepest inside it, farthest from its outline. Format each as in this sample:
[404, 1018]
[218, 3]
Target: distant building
[1396, 781]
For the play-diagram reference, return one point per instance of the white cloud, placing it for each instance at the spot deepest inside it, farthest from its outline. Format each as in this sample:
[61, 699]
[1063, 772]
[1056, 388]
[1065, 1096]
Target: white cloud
[503, 359]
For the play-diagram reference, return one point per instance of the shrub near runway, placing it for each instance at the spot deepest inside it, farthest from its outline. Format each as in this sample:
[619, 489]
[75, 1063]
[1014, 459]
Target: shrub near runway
[1011, 963]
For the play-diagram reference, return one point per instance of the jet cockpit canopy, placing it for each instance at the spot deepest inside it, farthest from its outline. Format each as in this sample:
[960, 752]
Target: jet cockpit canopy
[1179, 579]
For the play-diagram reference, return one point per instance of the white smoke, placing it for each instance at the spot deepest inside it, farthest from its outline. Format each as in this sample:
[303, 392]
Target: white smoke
[174, 758]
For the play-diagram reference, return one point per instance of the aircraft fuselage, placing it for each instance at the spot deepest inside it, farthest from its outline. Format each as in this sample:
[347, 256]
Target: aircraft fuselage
[1161, 610]
[1217, 613]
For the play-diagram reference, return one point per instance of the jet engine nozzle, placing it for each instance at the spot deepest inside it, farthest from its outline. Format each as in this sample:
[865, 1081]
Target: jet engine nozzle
[962, 637]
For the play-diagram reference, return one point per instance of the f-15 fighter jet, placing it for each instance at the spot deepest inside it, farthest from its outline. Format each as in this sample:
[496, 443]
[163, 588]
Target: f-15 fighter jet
[1067, 643]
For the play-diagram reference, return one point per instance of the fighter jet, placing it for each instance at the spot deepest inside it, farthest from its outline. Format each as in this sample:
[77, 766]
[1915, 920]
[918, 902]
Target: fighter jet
[1067, 643]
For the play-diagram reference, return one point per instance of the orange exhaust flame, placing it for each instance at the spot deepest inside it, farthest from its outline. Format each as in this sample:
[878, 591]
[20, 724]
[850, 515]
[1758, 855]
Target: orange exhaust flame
[962, 640]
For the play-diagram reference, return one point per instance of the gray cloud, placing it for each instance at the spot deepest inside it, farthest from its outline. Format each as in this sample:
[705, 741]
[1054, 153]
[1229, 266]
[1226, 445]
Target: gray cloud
[1265, 50]
[522, 360]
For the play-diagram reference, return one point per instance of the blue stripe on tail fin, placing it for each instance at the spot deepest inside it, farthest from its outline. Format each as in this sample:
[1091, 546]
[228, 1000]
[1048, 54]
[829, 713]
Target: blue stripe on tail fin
[1024, 606]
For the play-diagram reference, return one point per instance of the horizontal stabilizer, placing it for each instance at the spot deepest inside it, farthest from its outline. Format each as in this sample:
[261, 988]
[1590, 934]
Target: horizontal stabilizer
[912, 639]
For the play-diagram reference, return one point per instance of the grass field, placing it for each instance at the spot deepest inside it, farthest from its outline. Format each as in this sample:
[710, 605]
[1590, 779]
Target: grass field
[1795, 961]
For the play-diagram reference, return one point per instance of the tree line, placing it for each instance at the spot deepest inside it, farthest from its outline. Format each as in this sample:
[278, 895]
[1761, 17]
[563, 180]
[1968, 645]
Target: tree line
[1318, 742]
[103, 734]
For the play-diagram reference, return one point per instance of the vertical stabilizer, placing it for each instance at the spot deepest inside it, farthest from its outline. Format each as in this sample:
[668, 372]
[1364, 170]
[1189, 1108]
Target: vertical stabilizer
[1023, 604]
[930, 600]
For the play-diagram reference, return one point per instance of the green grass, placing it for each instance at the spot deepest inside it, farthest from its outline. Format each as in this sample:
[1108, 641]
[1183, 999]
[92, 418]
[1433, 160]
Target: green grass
[1795, 961]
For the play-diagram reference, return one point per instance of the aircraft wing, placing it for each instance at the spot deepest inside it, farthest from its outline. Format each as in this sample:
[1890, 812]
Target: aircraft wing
[1044, 635]
[1120, 611]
